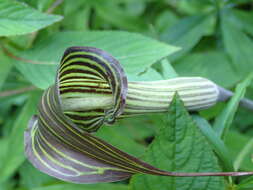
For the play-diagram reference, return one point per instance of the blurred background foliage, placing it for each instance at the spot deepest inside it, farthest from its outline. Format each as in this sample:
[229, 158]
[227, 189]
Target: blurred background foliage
[216, 41]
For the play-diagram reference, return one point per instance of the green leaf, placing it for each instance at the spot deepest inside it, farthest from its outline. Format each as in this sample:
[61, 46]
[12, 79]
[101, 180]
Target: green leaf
[165, 20]
[41, 5]
[215, 142]
[32, 178]
[17, 18]
[213, 65]
[73, 18]
[7, 119]
[114, 136]
[237, 44]
[180, 146]
[246, 184]
[225, 119]
[7, 185]
[149, 75]
[245, 21]
[135, 52]
[167, 70]
[14, 155]
[118, 16]
[6, 66]
[194, 7]
[186, 33]
[128, 126]
[243, 118]
[3, 148]
[239, 2]
[68, 186]
[241, 149]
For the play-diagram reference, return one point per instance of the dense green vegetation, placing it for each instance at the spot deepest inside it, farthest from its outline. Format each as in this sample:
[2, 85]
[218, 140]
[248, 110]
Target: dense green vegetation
[153, 40]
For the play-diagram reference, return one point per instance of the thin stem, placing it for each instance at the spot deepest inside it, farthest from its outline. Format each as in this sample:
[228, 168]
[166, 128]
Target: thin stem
[179, 174]
[54, 6]
[11, 55]
[15, 92]
[226, 94]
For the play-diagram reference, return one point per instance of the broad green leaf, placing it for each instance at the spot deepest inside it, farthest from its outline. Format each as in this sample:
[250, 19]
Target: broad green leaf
[150, 75]
[181, 147]
[44, 5]
[246, 184]
[136, 8]
[167, 70]
[6, 66]
[73, 17]
[243, 119]
[246, 153]
[41, 5]
[237, 44]
[224, 120]
[17, 18]
[195, 6]
[14, 155]
[149, 126]
[243, 20]
[213, 111]
[3, 148]
[187, 32]
[7, 103]
[113, 136]
[7, 185]
[215, 142]
[67, 186]
[135, 52]
[241, 149]
[31, 178]
[239, 2]
[165, 20]
[118, 16]
[213, 65]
